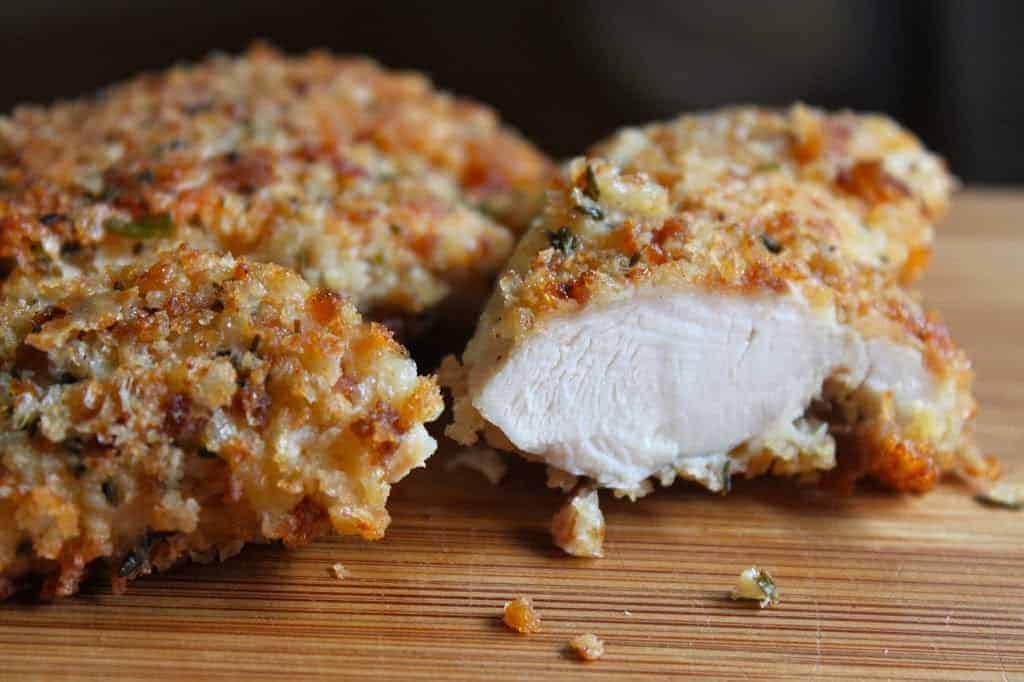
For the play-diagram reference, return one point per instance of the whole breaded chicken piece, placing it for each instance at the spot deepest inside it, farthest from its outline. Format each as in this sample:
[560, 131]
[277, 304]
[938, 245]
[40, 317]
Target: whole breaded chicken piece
[179, 408]
[366, 181]
[727, 303]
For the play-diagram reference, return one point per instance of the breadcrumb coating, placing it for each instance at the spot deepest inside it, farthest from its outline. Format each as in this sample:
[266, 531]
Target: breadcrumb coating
[366, 181]
[880, 179]
[178, 409]
[693, 208]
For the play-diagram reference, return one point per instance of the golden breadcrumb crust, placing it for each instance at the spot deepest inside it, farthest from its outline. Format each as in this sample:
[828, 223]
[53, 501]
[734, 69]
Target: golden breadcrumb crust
[181, 408]
[876, 171]
[366, 181]
[605, 232]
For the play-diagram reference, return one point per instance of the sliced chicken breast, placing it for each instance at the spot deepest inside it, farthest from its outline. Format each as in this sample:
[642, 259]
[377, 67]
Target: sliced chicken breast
[179, 409]
[652, 326]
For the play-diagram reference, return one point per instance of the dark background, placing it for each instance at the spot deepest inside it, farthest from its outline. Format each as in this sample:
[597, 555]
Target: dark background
[568, 72]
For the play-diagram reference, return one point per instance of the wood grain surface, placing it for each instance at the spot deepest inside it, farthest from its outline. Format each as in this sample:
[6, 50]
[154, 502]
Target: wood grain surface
[873, 586]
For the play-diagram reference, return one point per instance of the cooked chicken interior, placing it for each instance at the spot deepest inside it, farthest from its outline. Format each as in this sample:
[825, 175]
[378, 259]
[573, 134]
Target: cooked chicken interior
[179, 409]
[661, 325]
[367, 182]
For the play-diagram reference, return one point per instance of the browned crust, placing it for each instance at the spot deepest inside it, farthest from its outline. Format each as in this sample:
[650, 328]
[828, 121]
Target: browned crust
[364, 180]
[178, 409]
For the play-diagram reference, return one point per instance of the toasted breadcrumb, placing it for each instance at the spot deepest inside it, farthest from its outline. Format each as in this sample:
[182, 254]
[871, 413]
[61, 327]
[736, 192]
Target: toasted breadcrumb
[486, 461]
[757, 584]
[562, 480]
[179, 409]
[366, 181]
[587, 647]
[1005, 495]
[339, 571]
[520, 616]
[578, 527]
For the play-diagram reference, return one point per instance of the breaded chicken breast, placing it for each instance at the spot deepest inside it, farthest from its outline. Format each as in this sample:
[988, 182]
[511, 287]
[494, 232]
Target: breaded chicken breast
[367, 182]
[179, 408]
[714, 317]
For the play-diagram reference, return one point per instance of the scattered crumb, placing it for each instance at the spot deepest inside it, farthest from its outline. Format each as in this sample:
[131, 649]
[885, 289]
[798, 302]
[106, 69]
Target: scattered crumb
[578, 527]
[486, 461]
[756, 583]
[1005, 495]
[521, 616]
[627, 613]
[641, 489]
[562, 480]
[587, 647]
[339, 571]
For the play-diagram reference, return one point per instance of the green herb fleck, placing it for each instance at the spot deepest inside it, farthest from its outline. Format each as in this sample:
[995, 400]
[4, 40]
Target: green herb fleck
[76, 466]
[590, 187]
[70, 248]
[25, 420]
[767, 167]
[592, 212]
[727, 477]
[110, 492]
[771, 244]
[767, 585]
[564, 240]
[156, 225]
[131, 565]
[107, 194]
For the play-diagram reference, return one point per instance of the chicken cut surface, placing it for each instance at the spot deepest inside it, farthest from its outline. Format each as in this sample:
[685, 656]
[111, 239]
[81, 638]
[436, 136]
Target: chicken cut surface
[621, 391]
[644, 331]
[182, 407]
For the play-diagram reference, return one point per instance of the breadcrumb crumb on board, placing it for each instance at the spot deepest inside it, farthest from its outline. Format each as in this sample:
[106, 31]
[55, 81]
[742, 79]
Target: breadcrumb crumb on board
[579, 527]
[1004, 495]
[519, 615]
[587, 647]
[486, 461]
[339, 572]
[756, 584]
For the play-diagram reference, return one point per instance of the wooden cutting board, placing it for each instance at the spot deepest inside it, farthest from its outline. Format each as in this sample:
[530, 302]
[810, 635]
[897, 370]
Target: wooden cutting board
[872, 586]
